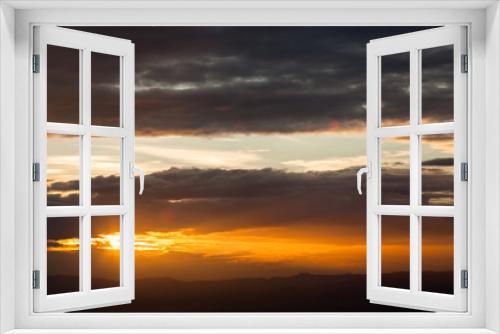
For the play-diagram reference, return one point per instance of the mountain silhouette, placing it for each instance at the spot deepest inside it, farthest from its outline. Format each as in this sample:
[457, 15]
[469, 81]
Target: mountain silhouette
[299, 293]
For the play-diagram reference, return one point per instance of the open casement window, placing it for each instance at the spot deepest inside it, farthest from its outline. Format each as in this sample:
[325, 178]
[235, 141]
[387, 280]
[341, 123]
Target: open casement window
[417, 170]
[83, 170]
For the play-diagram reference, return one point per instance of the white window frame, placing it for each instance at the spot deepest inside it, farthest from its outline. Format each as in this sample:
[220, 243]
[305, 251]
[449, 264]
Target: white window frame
[86, 44]
[16, 20]
[412, 44]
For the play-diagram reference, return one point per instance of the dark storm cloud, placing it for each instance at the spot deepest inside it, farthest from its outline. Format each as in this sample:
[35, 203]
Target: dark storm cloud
[63, 85]
[437, 84]
[105, 89]
[65, 186]
[217, 199]
[395, 188]
[62, 228]
[436, 183]
[395, 90]
[212, 80]
[439, 162]
[55, 199]
[175, 183]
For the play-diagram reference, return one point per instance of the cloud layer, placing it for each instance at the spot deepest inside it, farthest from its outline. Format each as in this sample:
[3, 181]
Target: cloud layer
[218, 199]
[221, 80]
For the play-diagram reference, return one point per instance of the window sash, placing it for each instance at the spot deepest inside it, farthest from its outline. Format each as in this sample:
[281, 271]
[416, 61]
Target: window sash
[412, 43]
[86, 43]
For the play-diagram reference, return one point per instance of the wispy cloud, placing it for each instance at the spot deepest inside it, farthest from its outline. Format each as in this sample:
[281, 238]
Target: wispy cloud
[201, 158]
[331, 164]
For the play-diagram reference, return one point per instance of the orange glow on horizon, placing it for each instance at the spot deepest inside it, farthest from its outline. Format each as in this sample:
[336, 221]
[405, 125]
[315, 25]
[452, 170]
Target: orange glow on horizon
[103, 242]
[258, 245]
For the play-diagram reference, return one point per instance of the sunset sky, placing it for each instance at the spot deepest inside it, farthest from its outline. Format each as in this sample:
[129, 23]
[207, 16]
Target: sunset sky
[250, 138]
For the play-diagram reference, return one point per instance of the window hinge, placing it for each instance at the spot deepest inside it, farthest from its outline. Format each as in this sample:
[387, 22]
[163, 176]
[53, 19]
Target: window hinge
[464, 171]
[36, 171]
[465, 63]
[36, 63]
[36, 279]
[464, 279]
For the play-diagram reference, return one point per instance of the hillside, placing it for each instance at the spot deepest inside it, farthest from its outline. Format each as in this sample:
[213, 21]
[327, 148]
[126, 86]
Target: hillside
[299, 293]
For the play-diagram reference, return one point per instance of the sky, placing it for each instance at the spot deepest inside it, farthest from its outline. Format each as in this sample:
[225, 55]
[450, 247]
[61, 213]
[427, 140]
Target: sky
[251, 138]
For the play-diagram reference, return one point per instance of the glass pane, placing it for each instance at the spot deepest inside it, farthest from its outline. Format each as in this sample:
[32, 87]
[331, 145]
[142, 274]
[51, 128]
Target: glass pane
[63, 255]
[395, 90]
[437, 254]
[106, 154]
[105, 252]
[395, 251]
[437, 169]
[105, 89]
[437, 84]
[63, 170]
[395, 170]
[63, 85]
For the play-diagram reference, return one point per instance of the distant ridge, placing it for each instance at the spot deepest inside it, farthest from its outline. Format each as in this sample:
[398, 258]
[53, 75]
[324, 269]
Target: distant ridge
[303, 292]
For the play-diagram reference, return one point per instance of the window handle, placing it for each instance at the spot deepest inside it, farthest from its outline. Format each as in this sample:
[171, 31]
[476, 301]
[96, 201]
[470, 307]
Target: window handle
[136, 170]
[365, 170]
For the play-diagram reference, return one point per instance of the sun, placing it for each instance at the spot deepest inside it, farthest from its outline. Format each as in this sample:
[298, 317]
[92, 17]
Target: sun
[114, 241]
[107, 241]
